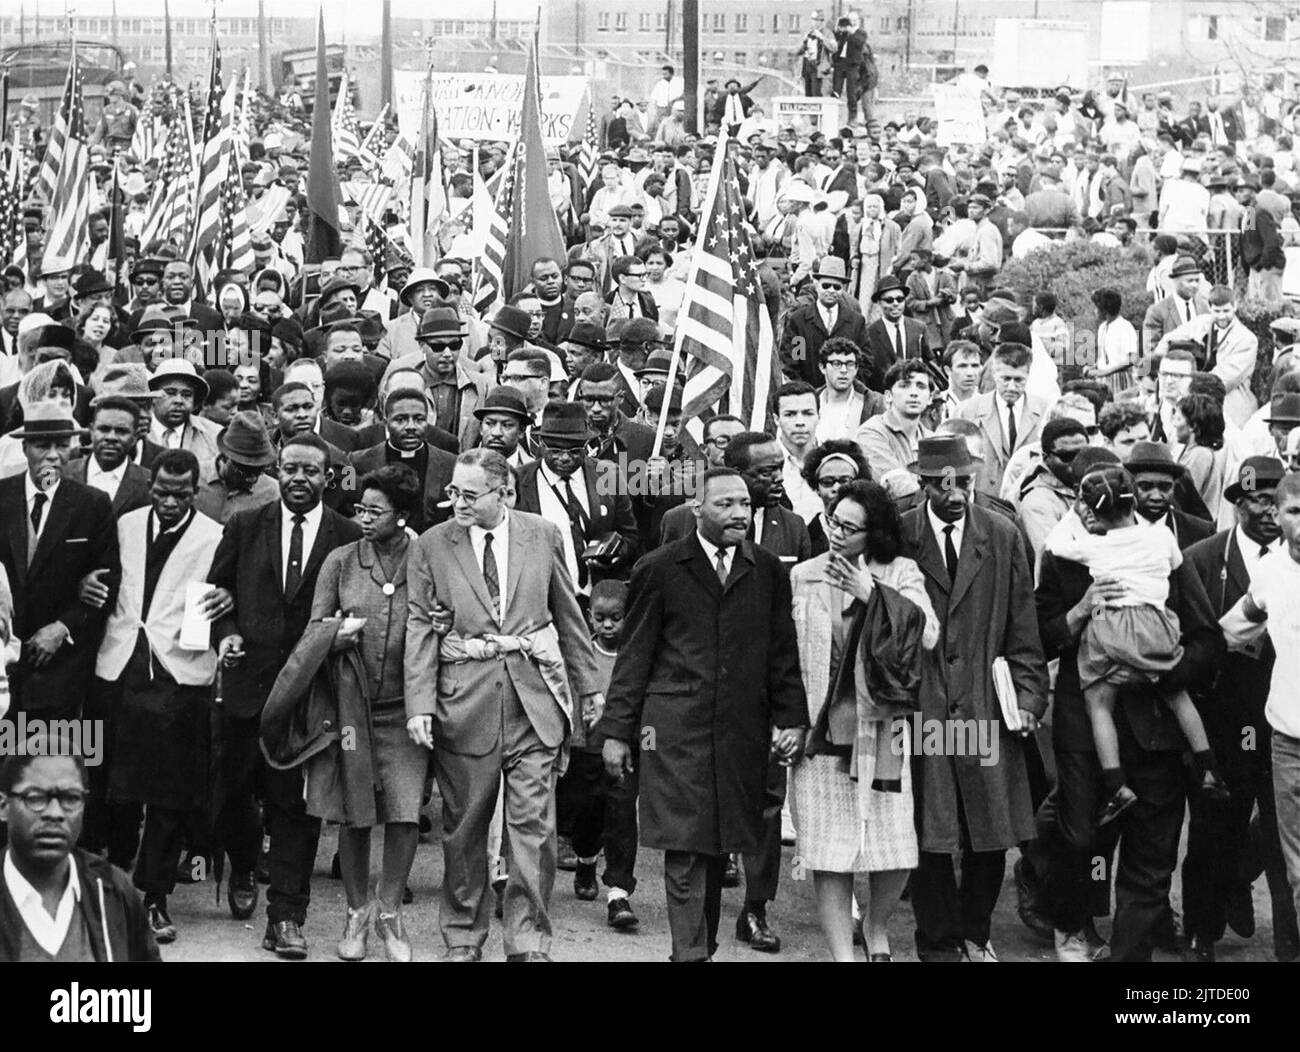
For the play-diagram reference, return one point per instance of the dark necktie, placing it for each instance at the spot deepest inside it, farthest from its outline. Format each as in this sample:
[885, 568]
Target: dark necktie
[293, 574]
[900, 348]
[1212, 349]
[950, 552]
[490, 577]
[38, 505]
[1011, 429]
[1263, 550]
[720, 564]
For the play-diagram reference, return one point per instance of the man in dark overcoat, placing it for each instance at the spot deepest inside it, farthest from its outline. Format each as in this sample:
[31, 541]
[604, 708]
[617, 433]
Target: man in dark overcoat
[706, 687]
[978, 578]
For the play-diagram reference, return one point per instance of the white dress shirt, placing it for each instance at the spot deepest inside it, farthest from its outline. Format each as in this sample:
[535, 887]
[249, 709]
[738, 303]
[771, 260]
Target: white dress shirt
[803, 498]
[631, 379]
[711, 551]
[167, 437]
[938, 526]
[839, 419]
[310, 527]
[500, 552]
[31, 489]
[1249, 549]
[105, 481]
[830, 315]
[49, 932]
[1277, 591]
[549, 487]
[1016, 411]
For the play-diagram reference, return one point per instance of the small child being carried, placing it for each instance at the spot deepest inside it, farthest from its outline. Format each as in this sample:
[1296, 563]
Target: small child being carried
[1133, 639]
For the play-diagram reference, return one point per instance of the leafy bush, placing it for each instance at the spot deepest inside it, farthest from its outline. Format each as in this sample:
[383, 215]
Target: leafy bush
[1073, 271]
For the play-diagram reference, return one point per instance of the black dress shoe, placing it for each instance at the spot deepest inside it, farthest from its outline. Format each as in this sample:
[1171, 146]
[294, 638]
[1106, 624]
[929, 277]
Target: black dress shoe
[1028, 901]
[584, 882]
[566, 858]
[285, 938]
[463, 954]
[527, 958]
[1199, 950]
[1168, 935]
[621, 916]
[241, 895]
[164, 931]
[731, 873]
[1240, 910]
[751, 927]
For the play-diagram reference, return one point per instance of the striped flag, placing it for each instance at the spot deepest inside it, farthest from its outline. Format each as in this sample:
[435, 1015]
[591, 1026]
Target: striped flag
[587, 150]
[397, 161]
[372, 198]
[150, 130]
[171, 206]
[11, 229]
[724, 331]
[428, 185]
[213, 165]
[47, 177]
[348, 140]
[69, 214]
[236, 243]
[492, 263]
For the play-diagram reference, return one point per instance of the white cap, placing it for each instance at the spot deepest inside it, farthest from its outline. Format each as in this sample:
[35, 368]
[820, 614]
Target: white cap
[33, 322]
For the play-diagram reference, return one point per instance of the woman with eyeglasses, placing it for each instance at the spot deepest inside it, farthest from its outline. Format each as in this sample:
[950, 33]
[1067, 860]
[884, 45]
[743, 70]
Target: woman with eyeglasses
[828, 469]
[364, 585]
[853, 813]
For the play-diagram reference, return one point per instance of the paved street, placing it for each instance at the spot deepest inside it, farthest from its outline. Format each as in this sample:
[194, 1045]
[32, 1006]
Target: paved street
[207, 932]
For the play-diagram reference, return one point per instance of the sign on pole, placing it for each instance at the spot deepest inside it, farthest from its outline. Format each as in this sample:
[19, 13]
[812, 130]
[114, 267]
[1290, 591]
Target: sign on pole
[959, 117]
[486, 106]
[806, 115]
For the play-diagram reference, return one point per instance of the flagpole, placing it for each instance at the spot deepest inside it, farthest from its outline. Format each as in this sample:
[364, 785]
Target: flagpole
[679, 337]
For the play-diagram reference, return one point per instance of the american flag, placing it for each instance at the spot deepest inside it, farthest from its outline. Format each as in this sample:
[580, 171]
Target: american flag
[69, 214]
[171, 206]
[492, 263]
[213, 166]
[381, 247]
[11, 229]
[47, 177]
[347, 130]
[587, 150]
[150, 130]
[236, 244]
[372, 198]
[398, 161]
[724, 332]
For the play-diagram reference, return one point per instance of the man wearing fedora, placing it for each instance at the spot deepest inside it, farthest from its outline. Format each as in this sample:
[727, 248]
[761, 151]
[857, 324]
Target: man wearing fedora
[586, 498]
[892, 337]
[146, 286]
[1216, 884]
[163, 333]
[179, 392]
[53, 533]
[1178, 308]
[178, 294]
[504, 421]
[1155, 475]
[110, 466]
[239, 480]
[637, 340]
[453, 391]
[831, 314]
[979, 580]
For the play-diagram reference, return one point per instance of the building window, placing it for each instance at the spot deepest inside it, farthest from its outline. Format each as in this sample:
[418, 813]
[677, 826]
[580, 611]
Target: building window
[718, 23]
[794, 22]
[1274, 30]
[740, 58]
[643, 21]
[602, 22]
[661, 21]
[742, 23]
[776, 23]
[620, 22]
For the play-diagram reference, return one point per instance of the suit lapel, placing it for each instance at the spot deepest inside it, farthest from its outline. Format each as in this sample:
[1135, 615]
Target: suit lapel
[57, 521]
[271, 538]
[970, 558]
[17, 529]
[1236, 568]
[323, 544]
[928, 556]
[742, 561]
[595, 512]
[698, 563]
[515, 567]
[473, 572]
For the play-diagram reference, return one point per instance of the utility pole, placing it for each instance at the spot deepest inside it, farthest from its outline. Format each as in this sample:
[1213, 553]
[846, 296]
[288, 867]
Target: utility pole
[386, 56]
[112, 24]
[263, 55]
[493, 30]
[167, 36]
[907, 41]
[668, 30]
[691, 62]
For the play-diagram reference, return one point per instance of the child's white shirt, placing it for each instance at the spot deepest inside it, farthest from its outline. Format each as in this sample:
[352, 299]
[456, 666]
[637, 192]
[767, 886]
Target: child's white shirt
[1142, 558]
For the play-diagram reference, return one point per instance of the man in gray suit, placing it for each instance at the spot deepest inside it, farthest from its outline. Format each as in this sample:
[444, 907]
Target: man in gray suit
[491, 697]
[1007, 416]
[1178, 308]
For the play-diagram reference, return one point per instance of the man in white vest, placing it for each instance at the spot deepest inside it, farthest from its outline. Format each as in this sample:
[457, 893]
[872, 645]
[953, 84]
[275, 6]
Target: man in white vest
[158, 756]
